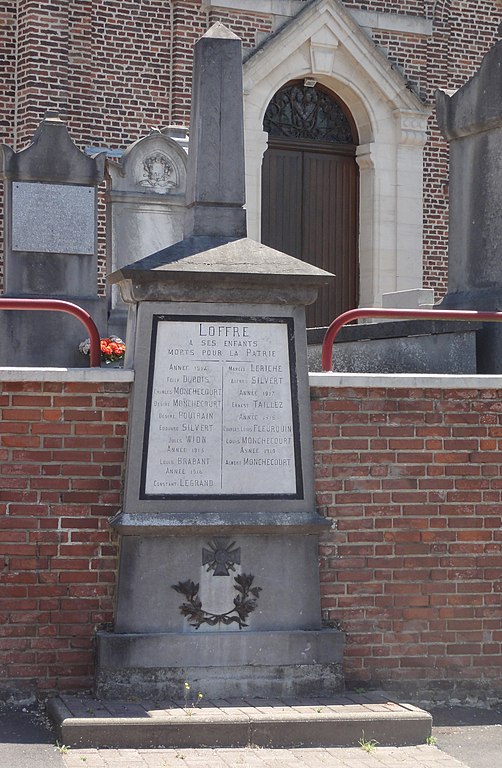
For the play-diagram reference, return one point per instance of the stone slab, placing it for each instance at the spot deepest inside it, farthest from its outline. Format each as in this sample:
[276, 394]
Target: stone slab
[217, 682]
[220, 269]
[411, 298]
[53, 218]
[283, 568]
[220, 418]
[220, 664]
[449, 353]
[159, 346]
[116, 651]
[335, 721]
[414, 346]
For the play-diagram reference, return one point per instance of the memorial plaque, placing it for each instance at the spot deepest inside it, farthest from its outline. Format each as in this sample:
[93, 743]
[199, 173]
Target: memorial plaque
[219, 418]
[53, 218]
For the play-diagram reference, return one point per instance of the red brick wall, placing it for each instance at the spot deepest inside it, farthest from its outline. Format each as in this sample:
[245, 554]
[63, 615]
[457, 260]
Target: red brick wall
[118, 69]
[412, 568]
[61, 463]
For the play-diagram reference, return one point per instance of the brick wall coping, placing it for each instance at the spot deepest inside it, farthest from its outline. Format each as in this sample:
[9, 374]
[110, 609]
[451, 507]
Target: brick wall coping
[316, 379]
[104, 374]
[404, 380]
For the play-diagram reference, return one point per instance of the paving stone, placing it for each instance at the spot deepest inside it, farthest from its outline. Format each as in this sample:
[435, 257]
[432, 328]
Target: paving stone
[336, 721]
[339, 757]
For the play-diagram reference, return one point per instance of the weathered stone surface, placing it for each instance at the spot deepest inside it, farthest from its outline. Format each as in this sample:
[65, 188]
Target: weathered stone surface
[50, 246]
[405, 346]
[220, 269]
[53, 218]
[53, 157]
[145, 205]
[215, 187]
[236, 504]
[151, 566]
[47, 338]
[250, 664]
[311, 720]
[471, 121]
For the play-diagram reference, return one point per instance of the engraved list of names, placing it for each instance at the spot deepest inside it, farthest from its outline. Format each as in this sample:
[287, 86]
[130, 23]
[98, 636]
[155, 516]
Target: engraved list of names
[219, 413]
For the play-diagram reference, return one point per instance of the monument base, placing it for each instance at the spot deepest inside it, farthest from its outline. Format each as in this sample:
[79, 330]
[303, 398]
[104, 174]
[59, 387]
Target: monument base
[220, 665]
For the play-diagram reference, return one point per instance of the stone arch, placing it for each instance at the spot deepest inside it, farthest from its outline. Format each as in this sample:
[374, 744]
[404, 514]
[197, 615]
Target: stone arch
[310, 181]
[325, 43]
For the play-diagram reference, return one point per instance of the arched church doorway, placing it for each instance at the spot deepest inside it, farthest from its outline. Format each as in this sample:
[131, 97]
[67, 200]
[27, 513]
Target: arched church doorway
[310, 190]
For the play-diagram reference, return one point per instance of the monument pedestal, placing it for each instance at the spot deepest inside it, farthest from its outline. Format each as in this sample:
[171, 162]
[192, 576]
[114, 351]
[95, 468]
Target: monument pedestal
[220, 665]
[232, 615]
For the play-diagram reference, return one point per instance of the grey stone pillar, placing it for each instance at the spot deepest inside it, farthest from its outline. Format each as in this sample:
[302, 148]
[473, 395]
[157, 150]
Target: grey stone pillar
[215, 184]
[471, 121]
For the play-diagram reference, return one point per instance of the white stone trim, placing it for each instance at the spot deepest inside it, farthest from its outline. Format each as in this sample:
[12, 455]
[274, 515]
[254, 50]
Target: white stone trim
[275, 7]
[98, 375]
[329, 46]
[392, 22]
[404, 381]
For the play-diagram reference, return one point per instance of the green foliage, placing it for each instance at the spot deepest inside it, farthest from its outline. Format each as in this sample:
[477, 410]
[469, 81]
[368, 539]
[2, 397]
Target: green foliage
[367, 744]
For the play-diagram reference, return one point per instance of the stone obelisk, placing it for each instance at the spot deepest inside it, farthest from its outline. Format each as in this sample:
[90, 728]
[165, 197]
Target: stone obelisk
[218, 578]
[215, 173]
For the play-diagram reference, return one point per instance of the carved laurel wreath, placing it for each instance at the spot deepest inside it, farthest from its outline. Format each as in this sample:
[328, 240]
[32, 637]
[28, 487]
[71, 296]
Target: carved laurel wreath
[244, 603]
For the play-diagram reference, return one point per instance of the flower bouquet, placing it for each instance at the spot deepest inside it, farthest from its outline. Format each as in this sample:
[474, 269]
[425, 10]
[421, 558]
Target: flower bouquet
[112, 349]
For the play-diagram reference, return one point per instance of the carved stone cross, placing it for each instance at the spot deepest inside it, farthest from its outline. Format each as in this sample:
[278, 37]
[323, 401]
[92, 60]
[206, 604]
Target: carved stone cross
[221, 557]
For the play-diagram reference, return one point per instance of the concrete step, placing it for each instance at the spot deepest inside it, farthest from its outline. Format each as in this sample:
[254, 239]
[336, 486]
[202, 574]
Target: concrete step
[83, 721]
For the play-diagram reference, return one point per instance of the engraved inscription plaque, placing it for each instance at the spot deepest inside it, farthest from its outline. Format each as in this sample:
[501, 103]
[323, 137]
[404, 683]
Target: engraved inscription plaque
[53, 218]
[220, 420]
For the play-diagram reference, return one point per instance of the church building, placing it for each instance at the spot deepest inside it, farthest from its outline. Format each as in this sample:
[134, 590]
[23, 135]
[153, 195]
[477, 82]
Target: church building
[345, 165]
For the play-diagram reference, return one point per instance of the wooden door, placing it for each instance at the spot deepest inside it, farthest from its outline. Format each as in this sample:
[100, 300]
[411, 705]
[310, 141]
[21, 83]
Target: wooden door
[309, 210]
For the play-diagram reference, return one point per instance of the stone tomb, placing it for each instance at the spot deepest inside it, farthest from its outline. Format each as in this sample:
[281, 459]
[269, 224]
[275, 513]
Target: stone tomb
[50, 246]
[145, 205]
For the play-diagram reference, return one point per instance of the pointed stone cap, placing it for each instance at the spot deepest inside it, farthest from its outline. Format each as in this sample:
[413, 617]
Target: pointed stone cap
[53, 157]
[476, 106]
[223, 270]
[220, 32]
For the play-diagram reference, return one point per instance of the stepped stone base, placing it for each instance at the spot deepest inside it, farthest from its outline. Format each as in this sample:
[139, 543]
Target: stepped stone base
[249, 664]
[82, 721]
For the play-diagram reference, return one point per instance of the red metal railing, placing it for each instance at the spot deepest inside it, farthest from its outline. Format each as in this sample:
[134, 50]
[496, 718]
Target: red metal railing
[57, 305]
[402, 314]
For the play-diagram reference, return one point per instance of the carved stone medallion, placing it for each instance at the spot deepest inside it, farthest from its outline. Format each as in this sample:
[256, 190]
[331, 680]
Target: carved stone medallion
[158, 173]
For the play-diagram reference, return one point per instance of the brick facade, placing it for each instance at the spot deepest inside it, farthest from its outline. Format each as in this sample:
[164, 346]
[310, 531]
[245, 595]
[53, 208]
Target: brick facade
[411, 569]
[61, 464]
[117, 69]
